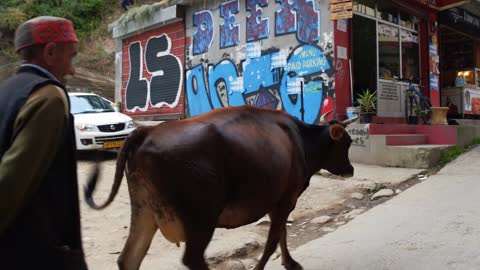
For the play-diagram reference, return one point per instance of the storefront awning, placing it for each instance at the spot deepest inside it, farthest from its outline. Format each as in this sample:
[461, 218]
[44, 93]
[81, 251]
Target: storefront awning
[461, 20]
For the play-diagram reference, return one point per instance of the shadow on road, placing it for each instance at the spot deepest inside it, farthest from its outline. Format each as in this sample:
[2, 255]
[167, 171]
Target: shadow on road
[100, 155]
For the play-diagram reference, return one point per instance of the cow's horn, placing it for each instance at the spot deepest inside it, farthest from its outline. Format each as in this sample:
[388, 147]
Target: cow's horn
[349, 121]
[322, 118]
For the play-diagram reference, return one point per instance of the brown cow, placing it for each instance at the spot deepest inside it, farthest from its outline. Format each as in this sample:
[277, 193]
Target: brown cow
[224, 169]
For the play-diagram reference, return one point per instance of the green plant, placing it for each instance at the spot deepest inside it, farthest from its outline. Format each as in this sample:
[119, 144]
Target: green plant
[367, 100]
[452, 153]
[87, 15]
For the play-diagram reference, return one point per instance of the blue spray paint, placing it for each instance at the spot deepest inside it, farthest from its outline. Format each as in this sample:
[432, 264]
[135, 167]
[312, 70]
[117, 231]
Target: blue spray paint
[227, 73]
[257, 27]
[229, 30]
[196, 91]
[304, 62]
[203, 37]
[307, 63]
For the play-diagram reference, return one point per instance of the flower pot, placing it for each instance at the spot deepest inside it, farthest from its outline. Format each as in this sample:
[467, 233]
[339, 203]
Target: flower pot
[366, 118]
[439, 115]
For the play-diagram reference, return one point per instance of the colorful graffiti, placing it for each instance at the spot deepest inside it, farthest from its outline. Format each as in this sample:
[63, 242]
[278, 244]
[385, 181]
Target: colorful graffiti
[273, 80]
[229, 30]
[165, 72]
[204, 35]
[257, 27]
[296, 78]
[297, 16]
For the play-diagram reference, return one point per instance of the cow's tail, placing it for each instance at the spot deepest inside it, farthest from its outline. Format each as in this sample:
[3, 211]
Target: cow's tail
[133, 140]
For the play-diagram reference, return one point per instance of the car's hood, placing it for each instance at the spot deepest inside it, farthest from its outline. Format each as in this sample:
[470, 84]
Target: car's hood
[101, 118]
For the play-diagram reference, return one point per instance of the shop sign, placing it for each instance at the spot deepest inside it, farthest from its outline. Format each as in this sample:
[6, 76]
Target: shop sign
[461, 20]
[341, 9]
[471, 101]
[389, 99]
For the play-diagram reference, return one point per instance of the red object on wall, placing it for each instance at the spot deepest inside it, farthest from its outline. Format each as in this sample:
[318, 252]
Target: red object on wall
[342, 67]
[153, 76]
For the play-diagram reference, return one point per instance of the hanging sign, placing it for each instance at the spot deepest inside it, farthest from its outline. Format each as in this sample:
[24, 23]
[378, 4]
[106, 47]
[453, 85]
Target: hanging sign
[341, 9]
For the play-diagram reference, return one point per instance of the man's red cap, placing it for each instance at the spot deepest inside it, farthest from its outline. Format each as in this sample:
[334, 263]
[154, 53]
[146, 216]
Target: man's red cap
[43, 30]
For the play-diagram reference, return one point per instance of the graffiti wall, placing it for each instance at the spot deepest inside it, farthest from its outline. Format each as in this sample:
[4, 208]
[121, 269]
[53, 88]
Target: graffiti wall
[274, 54]
[153, 72]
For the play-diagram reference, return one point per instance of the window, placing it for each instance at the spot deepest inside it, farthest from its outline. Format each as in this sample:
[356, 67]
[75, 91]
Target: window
[88, 104]
[388, 52]
[387, 12]
[397, 39]
[366, 7]
[410, 55]
[364, 54]
[408, 21]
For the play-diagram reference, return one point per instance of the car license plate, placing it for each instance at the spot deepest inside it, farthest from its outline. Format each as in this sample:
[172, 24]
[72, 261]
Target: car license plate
[114, 144]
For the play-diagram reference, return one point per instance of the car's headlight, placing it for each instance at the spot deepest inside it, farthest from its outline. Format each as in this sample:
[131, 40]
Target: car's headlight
[85, 127]
[130, 124]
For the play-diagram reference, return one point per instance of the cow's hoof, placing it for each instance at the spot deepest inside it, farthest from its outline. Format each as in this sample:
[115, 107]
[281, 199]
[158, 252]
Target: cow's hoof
[293, 265]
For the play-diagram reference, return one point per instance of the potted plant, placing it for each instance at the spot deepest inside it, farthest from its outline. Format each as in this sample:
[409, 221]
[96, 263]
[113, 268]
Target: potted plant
[422, 114]
[367, 100]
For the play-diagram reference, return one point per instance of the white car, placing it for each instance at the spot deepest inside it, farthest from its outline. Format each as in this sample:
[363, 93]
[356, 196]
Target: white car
[97, 124]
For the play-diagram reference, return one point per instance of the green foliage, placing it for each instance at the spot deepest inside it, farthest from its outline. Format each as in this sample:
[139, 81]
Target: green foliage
[11, 18]
[367, 100]
[452, 153]
[9, 52]
[138, 14]
[86, 15]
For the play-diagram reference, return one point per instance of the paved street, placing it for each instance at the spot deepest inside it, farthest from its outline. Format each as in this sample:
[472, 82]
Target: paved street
[434, 225]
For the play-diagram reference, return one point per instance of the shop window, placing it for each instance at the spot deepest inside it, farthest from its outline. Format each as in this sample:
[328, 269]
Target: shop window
[410, 55]
[388, 52]
[408, 21]
[364, 54]
[386, 39]
[366, 7]
[387, 12]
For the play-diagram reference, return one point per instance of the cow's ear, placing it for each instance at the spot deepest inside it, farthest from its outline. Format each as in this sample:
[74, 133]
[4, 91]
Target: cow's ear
[336, 132]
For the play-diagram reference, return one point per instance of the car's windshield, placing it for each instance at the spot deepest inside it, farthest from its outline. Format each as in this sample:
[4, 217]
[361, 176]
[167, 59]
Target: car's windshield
[89, 104]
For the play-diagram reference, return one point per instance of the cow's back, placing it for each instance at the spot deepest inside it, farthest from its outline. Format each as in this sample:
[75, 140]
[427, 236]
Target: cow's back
[240, 158]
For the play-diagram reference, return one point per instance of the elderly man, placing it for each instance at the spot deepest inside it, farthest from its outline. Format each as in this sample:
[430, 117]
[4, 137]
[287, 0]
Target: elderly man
[39, 209]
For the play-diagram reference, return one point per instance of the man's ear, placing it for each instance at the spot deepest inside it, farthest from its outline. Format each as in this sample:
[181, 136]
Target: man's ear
[49, 52]
[337, 132]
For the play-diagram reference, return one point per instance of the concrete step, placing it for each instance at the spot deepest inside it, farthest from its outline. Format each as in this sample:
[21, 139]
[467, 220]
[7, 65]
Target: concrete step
[378, 129]
[406, 139]
[421, 156]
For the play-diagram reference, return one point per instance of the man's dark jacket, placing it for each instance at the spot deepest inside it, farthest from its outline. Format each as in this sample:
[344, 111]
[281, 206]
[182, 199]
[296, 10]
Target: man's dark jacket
[46, 232]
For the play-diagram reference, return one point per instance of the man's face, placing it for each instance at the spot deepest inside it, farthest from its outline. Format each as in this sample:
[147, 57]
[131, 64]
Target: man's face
[59, 58]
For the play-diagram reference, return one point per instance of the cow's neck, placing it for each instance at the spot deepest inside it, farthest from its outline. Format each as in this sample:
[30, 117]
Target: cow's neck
[316, 142]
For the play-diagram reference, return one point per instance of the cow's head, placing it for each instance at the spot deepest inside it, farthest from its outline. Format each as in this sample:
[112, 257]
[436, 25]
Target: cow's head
[337, 161]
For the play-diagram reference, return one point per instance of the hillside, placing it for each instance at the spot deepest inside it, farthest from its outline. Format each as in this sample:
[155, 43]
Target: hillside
[95, 64]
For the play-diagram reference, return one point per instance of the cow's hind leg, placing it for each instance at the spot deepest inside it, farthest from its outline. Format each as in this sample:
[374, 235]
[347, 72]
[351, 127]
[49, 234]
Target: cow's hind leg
[142, 230]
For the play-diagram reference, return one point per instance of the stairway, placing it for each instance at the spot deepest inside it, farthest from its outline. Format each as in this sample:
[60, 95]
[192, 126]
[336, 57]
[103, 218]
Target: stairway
[401, 145]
